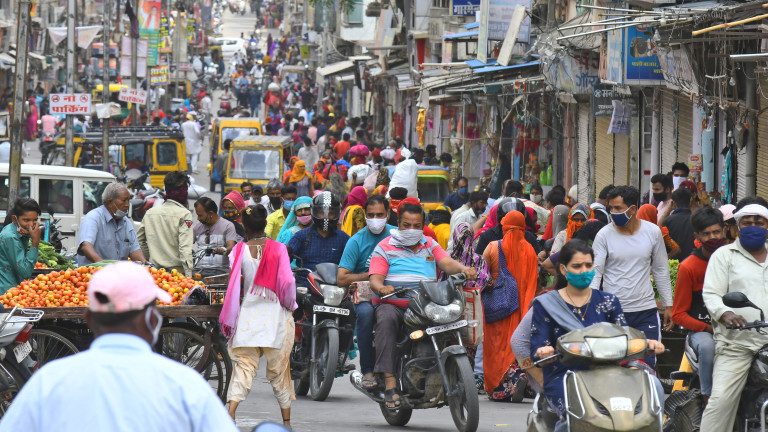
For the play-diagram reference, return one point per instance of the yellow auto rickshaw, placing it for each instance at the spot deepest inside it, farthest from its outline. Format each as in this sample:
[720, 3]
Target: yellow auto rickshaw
[433, 184]
[184, 88]
[256, 159]
[226, 128]
[157, 150]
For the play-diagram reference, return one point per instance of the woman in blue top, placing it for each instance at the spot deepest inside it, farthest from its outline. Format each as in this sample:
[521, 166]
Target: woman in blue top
[298, 219]
[589, 306]
[16, 262]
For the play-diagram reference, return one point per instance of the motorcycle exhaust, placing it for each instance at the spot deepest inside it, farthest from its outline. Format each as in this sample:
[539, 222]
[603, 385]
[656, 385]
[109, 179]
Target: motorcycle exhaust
[356, 378]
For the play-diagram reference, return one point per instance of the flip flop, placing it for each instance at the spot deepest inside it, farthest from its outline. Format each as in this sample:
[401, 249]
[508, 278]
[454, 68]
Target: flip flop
[369, 383]
[389, 399]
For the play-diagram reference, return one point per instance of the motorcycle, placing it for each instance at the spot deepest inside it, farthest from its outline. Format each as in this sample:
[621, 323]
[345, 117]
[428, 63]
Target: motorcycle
[143, 195]
[225, 107]
[52, 232]
[751, 414]
[16, 365]
[630, 403]
[315, 359]
[241, 7]
[253, 45]
[683, 408]
[432, 367]
[47, 147]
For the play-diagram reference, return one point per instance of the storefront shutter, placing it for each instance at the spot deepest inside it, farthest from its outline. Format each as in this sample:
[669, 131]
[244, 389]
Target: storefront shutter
[621, 160]
[762, 148]
[603, 154]
[668, 127]
[741, 178]
[585, 136]
[685, 130]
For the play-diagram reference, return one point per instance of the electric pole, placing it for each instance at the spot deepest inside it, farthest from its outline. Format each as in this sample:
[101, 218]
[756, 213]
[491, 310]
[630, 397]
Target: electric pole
[20, 88]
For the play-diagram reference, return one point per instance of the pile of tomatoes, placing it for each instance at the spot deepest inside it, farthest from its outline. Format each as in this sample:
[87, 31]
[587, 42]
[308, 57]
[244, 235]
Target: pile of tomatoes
[39, 265]
[69, 288]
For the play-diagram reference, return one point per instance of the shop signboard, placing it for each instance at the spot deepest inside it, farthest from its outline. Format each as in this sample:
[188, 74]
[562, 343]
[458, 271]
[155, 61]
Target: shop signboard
[603, 97]
[498, 15]
[159, 75]
[482, 32]
[136, 96]
[304, 50]
[464, 7]
[614, 71]
[576, 74]
[640, 63]
[677, 70]
[70, 104]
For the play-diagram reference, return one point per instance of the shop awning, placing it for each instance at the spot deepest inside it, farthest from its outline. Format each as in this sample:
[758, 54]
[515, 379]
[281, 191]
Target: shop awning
[38, 58]
[478, 64]
[335, 68]
[462, 35]
[404, 81]
[446, 80]
[472, 25]
[5, 58]
[503, 68]
[345, 78]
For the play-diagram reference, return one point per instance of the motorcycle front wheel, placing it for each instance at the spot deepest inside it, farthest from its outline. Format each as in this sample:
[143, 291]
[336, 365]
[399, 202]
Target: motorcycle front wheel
[465, 408]
[322, 371]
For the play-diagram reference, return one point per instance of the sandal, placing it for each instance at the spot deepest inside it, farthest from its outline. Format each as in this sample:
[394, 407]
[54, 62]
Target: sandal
[369, 383]
[389, 399]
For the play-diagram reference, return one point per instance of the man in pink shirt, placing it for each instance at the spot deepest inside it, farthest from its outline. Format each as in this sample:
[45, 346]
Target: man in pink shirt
[312, 132]
[49, 124]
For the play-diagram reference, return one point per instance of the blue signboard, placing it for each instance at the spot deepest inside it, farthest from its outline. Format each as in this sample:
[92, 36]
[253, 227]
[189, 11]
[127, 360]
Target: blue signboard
[464, 7]
[641, 66]
[500, 13]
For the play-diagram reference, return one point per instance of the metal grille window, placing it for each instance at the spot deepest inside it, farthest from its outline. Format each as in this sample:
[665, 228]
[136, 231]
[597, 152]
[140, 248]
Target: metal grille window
[355, 13]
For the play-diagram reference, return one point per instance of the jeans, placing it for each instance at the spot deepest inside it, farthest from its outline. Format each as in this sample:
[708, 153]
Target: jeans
[704, 345]
[479, 360]
[365, 320]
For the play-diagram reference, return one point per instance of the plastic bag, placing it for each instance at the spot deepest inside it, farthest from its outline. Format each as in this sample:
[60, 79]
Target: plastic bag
[405, 176]
[196, 296]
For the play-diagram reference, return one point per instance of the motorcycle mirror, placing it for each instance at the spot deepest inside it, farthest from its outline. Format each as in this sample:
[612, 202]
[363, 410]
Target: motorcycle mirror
[737, 299]
[50, 211]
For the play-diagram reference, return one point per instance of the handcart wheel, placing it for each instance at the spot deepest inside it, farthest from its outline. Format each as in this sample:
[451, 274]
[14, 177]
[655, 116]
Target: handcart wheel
[189, 347]
[49, 345]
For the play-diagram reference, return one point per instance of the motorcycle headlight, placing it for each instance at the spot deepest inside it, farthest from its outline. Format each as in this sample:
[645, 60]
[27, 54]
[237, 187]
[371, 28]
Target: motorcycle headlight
[612, 348]
[443, 314]
[332, 295]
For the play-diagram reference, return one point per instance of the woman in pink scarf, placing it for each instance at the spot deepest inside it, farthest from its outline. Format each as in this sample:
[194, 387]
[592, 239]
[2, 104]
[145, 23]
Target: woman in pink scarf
[353, 214]
[262, 325]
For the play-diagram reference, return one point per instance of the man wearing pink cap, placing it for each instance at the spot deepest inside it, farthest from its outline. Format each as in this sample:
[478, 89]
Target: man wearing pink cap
[125, 386]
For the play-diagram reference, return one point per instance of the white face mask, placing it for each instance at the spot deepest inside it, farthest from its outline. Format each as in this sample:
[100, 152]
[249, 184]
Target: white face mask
[676, 181]
[536, 198]
[156, 329]
[407, 237]
[375, 225]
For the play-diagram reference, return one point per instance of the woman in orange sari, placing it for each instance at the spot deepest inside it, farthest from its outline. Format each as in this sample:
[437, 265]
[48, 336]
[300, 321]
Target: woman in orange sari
[502, 374]
[301, 179]
[648, 212]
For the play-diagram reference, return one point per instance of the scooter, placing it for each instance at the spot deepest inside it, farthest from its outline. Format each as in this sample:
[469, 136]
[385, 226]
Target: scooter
[751, 415]
[16, 365]
[143, 195]
[241, 7]
[47, 147]
[315, 360]
[432, 368]
[629, 403]
[225, 107]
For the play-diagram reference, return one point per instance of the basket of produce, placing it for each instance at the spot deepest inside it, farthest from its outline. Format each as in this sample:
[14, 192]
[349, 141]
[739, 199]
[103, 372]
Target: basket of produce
[48, 258]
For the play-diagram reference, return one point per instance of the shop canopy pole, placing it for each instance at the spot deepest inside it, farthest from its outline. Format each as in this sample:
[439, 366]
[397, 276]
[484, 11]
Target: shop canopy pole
[607, 29]
[730, 24]
[69, 146]
[105, 89]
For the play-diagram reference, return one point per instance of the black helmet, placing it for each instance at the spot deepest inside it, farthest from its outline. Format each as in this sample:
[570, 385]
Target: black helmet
[325, 211]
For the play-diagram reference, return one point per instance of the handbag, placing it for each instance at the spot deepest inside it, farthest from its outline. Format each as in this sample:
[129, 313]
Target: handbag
[501, 301]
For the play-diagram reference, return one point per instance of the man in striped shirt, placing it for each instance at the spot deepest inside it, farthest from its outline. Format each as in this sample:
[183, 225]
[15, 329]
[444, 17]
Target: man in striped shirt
[403, 259]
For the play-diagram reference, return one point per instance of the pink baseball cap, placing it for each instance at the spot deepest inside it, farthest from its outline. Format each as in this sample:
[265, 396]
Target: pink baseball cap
[123, 287]
[727, 211]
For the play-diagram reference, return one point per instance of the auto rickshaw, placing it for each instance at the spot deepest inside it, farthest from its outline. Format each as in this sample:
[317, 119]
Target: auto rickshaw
[256, 159]
[184, 86]
[114, 93]
[225, 128]
[433, 184]
[156, 150]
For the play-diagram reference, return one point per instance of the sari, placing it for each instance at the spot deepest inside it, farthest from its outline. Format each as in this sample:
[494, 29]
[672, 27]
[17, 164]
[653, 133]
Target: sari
[353, 214]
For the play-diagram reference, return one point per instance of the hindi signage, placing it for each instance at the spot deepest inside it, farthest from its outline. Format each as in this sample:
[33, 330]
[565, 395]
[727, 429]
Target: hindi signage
[464, 7]
[159, 75]
[65, 103]
[130, 95]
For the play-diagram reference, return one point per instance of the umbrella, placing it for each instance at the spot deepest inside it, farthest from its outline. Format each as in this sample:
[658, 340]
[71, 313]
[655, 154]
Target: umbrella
[359, 150]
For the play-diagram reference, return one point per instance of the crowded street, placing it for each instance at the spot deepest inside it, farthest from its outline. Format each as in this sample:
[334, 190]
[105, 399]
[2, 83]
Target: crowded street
[383, 215]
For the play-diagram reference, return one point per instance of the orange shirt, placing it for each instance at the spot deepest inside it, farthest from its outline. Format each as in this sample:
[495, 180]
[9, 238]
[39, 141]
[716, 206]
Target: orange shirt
[341, 147]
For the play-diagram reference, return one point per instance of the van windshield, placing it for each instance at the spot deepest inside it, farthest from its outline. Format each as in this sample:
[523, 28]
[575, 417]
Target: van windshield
[92, 191]
[234, 133]
[433, 189]
[254, 164]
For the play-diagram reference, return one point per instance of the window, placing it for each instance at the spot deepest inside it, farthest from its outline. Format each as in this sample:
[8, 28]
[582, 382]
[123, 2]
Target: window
[4, 190]
[166, 153]
[57, 196]
[355, 13]
[433, 189]
[135, 157]
[234, 133]
[92, 191]
[254, 164]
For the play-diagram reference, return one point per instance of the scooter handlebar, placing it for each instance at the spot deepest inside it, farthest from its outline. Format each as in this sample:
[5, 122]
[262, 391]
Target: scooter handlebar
[397, 293]
[747, 326]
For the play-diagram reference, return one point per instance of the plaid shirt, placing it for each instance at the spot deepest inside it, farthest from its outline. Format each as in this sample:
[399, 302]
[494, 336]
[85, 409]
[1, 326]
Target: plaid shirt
[314, 249]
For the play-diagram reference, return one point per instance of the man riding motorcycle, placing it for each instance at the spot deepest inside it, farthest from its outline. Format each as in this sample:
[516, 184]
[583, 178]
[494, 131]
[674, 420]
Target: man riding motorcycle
[403, 259]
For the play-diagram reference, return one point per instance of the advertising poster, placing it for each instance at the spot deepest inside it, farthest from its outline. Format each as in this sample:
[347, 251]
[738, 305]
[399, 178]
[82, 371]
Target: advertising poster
[149, 27]
[642, 66]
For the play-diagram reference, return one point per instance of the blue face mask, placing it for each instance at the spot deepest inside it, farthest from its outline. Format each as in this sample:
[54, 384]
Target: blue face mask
[621, 219]
[752, 237]
[462, 191]
[287, 205]
[580, 280]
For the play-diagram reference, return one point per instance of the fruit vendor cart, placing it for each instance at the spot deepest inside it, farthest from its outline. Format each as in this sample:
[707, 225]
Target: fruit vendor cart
[190, 333]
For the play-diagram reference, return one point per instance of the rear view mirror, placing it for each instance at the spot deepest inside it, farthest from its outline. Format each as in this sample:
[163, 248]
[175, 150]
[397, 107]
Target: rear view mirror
[737, 300]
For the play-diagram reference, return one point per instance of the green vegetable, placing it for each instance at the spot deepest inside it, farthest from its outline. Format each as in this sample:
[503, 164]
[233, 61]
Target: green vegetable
[48, 255]
[103, 263]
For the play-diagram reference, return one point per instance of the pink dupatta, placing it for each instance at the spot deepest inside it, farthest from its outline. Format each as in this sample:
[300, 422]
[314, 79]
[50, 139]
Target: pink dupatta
[274, 273]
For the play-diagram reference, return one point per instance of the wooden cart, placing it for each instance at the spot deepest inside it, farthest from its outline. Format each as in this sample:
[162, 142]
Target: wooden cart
[190, 335]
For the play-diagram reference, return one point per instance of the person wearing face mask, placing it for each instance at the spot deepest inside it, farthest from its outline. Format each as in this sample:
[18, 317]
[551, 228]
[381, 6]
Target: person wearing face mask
[627, 252]
[537, 195]
[299, 218]
[661, 187]
[731, 229]
[405, 259]
[680, 171]
[679, 222]
[460, 197]
[106, 233]
[23, 233]
[469, 213]
[231, 207]
[571, 306]
[145, 389]
[578, 214]
[354, 266]
[165, 234]
[214, 234]
[273, 200]
[737, 267]
[688, 309]
[353, 214]
[276, 220]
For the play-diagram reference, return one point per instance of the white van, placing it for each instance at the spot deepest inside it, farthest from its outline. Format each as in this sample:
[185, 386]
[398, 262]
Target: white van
[69, 192]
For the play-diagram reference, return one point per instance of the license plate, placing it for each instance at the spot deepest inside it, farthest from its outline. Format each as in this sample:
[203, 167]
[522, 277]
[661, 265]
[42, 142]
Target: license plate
[446, 327]
[22, 351]
[621, 404]
[329, 309]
